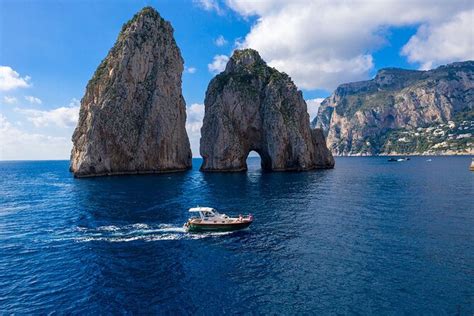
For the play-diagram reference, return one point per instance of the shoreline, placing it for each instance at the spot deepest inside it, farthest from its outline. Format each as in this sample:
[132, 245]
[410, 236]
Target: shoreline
[410, 155]
[338, 156]
[123, 173]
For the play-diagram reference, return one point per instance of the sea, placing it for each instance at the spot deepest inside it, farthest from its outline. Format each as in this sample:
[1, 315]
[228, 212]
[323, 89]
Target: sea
[370, 237]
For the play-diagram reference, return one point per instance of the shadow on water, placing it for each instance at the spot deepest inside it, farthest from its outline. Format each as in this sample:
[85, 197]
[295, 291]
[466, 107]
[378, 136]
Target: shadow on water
[131, 198]
[165, 198]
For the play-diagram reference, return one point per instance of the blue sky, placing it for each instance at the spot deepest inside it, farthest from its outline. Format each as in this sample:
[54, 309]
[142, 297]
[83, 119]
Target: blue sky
[55, 46]
[60, 43]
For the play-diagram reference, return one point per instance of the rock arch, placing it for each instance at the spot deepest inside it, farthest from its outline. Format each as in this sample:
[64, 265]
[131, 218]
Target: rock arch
[251, 106]
[265, 161]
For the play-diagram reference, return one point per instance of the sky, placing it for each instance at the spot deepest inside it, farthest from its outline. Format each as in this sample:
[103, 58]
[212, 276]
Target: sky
[49, 50]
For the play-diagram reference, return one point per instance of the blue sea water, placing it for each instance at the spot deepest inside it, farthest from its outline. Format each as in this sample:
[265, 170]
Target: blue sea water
[369, 237]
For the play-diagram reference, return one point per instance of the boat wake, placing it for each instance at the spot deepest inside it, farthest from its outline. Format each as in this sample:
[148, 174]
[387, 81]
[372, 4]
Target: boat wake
[139, 231]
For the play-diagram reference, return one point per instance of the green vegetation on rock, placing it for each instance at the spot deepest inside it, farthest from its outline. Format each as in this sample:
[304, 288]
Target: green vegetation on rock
[383, 115]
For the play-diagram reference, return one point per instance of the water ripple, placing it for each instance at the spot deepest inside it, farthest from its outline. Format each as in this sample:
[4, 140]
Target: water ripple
[369, 237]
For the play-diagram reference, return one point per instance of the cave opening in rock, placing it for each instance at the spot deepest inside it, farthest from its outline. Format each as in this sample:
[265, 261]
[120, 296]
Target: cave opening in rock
[253, 161]
[257, 160]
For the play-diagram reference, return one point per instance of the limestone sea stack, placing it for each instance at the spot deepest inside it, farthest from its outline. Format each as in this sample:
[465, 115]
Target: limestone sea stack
[253, 107]
[132, 116]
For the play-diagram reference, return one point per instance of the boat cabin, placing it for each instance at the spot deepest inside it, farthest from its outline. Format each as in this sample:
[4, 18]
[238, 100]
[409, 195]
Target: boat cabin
[204, 212]
[211, 220]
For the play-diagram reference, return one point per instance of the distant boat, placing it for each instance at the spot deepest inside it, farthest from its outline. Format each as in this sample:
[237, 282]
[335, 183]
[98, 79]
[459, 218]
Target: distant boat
[472, 165]
[399, 159]
[429, 160]
[403, 159]
[210, 220]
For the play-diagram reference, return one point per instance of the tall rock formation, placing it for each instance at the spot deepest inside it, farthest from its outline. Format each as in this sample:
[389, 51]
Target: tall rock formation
[251, 106]
[403, 112]
[132, 117]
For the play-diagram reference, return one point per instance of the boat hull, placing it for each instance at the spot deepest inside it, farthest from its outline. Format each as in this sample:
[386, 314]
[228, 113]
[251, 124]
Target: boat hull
[194, 227]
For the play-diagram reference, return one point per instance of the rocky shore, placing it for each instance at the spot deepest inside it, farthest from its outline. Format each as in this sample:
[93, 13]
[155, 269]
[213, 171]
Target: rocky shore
[402, 112]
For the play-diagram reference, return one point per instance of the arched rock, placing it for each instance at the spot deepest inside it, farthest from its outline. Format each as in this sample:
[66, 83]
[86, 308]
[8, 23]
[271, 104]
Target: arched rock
[251, 106]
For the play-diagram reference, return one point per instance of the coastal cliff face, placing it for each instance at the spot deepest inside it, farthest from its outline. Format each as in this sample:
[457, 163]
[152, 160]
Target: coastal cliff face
[403, 112]
[253, 107]
[132, 116]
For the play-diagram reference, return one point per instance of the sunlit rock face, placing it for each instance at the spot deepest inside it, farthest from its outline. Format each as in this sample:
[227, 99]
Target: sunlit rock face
[402, 112]
[253, 107]
[132, 117]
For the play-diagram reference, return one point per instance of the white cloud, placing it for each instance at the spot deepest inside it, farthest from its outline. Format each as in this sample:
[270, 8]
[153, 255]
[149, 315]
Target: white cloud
[10, 79]
[210, 5]
[324, 73]
[313, 106]
[321, 44]
[64, 117]
[16, 144]
[33, 100]
[220, 41]
[9, 100]
[190, 70]
[195, 116]
[451, 41]
[218, 64]
[239, 43]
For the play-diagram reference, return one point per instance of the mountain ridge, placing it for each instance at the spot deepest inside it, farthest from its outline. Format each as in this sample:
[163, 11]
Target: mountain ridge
[368, 117]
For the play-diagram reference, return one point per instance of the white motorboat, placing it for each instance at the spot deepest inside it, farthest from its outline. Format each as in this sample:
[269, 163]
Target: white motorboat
[209, 219]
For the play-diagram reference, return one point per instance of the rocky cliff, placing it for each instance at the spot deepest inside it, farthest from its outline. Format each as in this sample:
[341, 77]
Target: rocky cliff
[403, 112]
[253, 107]
[132, 116]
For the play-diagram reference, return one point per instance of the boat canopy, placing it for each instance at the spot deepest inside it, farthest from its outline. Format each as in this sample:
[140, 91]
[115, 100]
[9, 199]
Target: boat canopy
[202, 209]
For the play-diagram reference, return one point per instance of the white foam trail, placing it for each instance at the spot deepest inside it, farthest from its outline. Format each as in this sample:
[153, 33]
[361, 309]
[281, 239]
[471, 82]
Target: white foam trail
[140, 226]
[140, 231]
[110, 228]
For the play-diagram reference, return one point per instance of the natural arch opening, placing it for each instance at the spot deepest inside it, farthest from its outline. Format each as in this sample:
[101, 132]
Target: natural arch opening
[258, 160]
[254, 161]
